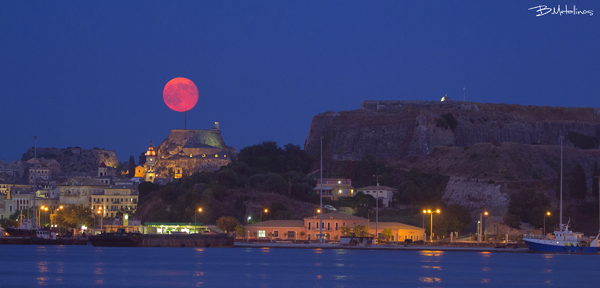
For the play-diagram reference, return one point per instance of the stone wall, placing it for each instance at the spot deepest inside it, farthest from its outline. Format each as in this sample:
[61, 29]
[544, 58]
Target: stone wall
[411, 129]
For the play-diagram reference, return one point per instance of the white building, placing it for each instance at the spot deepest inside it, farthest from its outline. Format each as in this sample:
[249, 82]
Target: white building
[384, 193]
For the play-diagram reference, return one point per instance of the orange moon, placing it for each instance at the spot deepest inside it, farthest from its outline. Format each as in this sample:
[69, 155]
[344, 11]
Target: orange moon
[180, 94]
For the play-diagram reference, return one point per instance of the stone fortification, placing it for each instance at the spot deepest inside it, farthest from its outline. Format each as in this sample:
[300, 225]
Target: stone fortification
[193, 151]
[394, 130]
[76, 159]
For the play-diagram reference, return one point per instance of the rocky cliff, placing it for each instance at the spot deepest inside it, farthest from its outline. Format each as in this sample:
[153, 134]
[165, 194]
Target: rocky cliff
[395, 130]
[76, 159]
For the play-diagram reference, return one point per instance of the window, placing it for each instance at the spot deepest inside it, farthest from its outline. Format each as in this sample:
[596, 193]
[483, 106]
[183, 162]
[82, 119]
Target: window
[291, 234]
[328, 225]
[317, 225]
[261, 233]
[276, 234]
[336, 225]
[308, 237]
[308, 225]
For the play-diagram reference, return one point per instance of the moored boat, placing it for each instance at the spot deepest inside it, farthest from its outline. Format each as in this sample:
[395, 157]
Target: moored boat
[563, 241]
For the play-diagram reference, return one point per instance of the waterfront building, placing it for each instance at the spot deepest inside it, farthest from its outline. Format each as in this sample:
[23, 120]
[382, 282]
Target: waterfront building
[150, 172]
[114, 199]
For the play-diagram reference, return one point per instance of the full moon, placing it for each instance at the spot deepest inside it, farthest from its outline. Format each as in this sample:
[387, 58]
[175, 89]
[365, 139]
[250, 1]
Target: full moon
[180, 94]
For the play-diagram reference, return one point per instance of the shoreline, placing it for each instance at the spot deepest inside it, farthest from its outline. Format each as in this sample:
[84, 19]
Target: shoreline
[379, 247]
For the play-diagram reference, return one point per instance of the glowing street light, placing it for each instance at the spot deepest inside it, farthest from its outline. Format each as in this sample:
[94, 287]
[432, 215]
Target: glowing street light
[261, 212]
[547, 214]
[428, 211]
[199, 211]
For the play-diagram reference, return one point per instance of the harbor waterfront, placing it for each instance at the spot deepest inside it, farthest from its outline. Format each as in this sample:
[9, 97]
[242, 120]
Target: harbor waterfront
[25, 266]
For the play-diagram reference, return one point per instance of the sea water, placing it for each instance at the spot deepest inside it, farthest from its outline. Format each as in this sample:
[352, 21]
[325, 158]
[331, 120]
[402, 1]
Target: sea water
[85, 266]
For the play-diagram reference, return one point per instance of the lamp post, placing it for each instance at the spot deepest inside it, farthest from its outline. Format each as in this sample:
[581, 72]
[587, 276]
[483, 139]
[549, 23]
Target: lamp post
[195, 227]
[547, 214]
[424, 212]
[39, 218]
[376, 206]
[429, 211]
[261, 212]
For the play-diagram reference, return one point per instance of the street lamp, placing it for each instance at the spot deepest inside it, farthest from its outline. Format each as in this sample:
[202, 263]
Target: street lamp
[480, 226]
[101, 216]
[261, 212]
[195, 227]
[547, 214]
[428, 211]
[39, 224]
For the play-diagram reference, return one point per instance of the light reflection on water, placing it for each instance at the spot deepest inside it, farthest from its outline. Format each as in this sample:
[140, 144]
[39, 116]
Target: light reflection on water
[256, 267]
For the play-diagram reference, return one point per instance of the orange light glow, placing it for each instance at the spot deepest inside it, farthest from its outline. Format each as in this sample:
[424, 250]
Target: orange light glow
[266, 210]
[438, 211]
[180, 94]
[485, 213]
[199, 209]
[424, 211]
[318, 210]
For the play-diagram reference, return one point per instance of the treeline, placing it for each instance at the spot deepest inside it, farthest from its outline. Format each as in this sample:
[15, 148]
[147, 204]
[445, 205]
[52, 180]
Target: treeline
[264, 167]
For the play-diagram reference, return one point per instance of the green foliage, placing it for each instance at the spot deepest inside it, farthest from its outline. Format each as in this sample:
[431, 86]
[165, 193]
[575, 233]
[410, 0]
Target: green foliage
[7, 222]
[538, 214]
[512, 220]
[583, 141]
[227, 223]
[363, 204]
[361, 230]
[240, 231]
[454, 218]
[386, 234]
[131, 167]
[142, 159]
[422, 187]
[522, 203]
[74, 216]
[345, 230]
[268, 157]
[362, 174]
[578, 182]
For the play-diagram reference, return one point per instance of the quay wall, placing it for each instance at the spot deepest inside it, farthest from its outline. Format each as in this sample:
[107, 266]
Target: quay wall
[219, 240]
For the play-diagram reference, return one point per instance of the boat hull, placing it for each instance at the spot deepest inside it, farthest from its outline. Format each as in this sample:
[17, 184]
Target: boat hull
[535, 246]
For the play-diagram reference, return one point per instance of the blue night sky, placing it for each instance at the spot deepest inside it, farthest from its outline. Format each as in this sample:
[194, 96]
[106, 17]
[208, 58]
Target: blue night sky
[91, 73]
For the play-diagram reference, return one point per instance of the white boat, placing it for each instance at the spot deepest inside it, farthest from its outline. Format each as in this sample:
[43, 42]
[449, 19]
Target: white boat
[564, 240]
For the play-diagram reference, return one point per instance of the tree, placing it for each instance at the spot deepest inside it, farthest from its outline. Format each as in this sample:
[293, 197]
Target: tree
[521, 203]
[302, 234]
[345, 230]
[386, 234]
[131, 167]
[75, 216]
[227, 223]
[361, 230]
[142, 159]
[240, 231]
[454, 218]
[5, 223]
[578, 182]
[512, 220]
[596, 181]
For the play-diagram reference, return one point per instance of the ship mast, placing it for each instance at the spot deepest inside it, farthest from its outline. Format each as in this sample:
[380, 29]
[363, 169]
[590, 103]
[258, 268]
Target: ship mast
[561, 181]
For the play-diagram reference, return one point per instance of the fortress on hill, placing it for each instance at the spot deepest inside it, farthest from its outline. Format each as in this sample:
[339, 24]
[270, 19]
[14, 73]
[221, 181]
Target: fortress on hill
[188, 151]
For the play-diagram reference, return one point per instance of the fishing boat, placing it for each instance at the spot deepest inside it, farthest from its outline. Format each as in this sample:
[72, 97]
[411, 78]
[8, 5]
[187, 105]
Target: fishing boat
[563, 240]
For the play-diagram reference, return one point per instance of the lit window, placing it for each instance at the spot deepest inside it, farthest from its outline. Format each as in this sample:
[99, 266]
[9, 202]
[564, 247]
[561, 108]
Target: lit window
[203, 155]
[261, 233]
[190, 155]
[216, 156]
[340, 182]
[340, 192]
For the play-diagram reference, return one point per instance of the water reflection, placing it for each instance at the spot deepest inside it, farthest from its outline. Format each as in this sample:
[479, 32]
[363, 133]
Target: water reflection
[60, 267]
[42, 266]
[430, 280]
[340, 251]
[431, 253]
[264, 249]
[486, 269]
[485, 280]
[198, 273]
[318, 250]
[339, 277]
[319, 276]
[42, 281]
[199, 249]
[486, 254]
[432, 267]
[339, 264]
